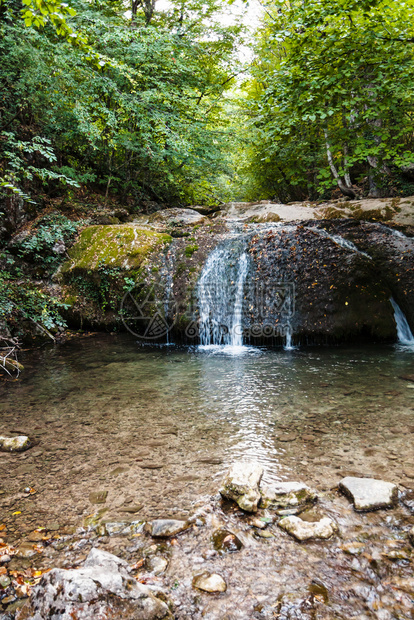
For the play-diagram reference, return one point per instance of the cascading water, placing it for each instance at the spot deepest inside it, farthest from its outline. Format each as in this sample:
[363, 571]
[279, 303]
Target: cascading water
[341, 241]
[404, 333]
[220, 295]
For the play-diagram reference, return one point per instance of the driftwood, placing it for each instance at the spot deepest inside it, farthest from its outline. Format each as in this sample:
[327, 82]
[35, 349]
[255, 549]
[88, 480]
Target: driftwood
[8, 356]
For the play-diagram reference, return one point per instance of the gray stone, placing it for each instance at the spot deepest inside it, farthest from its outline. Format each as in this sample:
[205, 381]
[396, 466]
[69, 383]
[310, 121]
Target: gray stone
[307, 530]
[210, 582]
[14, 444]
[157, 564]
[102, 588]
[163, 528]
[5, 581]
[287, 495]
[369, 494]
[177, 215]
[242, 485]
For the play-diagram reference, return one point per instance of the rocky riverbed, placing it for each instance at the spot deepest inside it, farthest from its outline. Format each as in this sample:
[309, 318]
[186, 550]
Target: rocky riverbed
[108, 464]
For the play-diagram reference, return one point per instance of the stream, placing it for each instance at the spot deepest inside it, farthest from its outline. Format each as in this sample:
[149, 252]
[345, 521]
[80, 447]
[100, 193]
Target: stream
[153, 430]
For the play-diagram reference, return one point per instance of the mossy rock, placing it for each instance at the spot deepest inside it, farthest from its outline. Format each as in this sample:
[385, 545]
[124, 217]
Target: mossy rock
[124, 246]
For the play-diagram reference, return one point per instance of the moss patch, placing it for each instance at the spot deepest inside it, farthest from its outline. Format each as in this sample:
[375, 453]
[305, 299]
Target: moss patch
[124, 246]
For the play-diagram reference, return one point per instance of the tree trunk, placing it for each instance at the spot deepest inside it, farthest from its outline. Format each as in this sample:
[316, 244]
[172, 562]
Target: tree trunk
[347, 191]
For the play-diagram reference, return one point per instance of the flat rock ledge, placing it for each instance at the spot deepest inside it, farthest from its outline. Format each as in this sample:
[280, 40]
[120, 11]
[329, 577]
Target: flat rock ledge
[307, 530]
[210, 582]
[14, 444]
[164, 528]
[242, 485]
[284, 497]
[102, 588]
[369, 494]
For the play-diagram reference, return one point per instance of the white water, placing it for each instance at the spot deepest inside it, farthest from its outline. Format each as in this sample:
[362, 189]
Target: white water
[404, 333]
[288, 342]
[220, 296]
[344, 243]
[237, 327]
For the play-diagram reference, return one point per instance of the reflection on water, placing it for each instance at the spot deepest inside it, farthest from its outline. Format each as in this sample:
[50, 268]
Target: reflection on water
[159, 414]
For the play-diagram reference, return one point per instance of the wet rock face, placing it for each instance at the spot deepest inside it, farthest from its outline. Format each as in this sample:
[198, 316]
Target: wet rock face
[331, 291]
[305, 530]
[392, 254]
[242, 485]
[369, 494]
[102, 588]
[293, 496]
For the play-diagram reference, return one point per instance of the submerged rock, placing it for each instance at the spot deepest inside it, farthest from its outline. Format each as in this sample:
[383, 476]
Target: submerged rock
[102, 588]
[210, 582]
[15, 444]
[225, 541]
[287, 495]
[369, 494]
[163, 528]
[242, 485]
[307, 530]
[411, 536]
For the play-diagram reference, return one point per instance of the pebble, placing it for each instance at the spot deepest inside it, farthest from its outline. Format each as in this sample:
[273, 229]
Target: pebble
[210, 582]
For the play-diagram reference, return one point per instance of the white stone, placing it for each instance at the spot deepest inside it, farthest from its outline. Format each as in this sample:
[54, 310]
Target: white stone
[307, 530]
[242, 485]
[285, 495]
[102, 588]
[368, 493]
[14, 444]
[210, 582]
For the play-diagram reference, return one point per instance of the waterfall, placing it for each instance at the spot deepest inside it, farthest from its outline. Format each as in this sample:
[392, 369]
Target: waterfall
[220, 295]
[237, 326]
[404, 332]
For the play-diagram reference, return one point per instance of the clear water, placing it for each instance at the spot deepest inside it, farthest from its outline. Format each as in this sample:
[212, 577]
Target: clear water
[106, 412]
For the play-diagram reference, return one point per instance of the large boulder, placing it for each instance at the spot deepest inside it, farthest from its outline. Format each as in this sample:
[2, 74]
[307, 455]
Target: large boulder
[313, 280]
[102, 588]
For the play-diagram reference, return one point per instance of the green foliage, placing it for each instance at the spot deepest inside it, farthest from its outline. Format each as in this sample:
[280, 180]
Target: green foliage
[22, 162]
[40, 246]
[20, 300]
[145, 120]
[325, 76]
